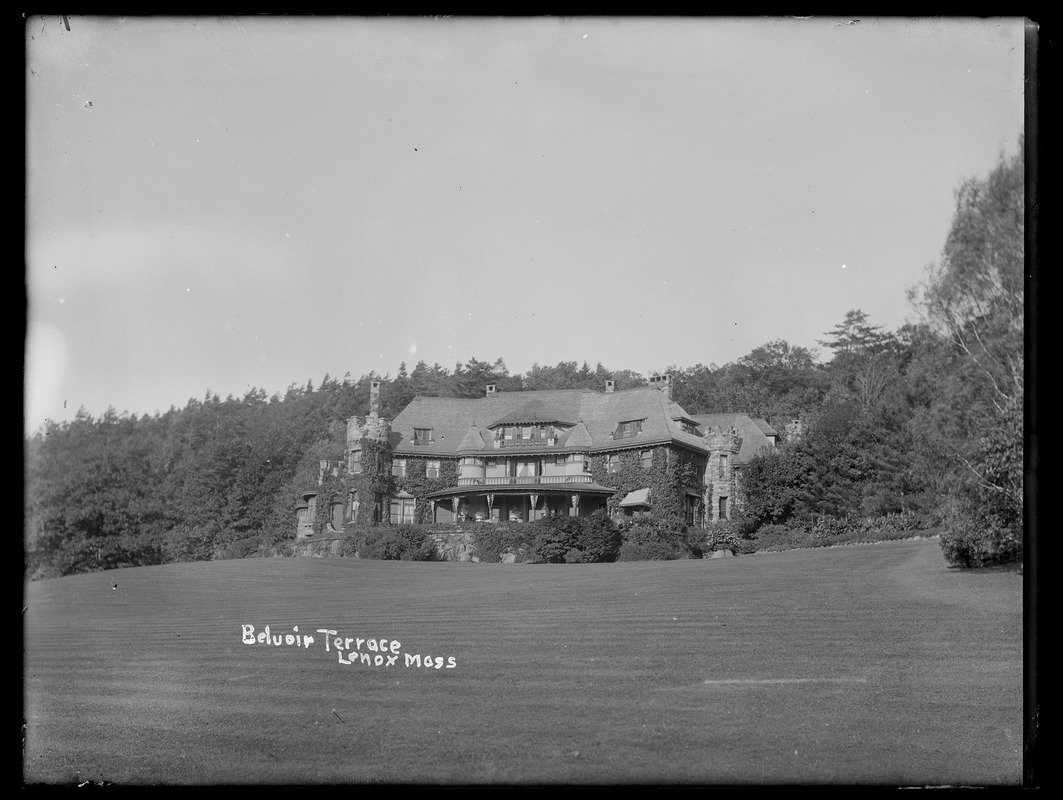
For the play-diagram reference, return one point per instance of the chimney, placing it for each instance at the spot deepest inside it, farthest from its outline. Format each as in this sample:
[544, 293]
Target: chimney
[492, 389]
[374, 398]
[610, 386]
[664, 383]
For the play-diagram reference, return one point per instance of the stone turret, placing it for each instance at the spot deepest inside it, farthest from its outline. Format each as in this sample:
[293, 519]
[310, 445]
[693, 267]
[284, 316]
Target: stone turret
[721, 486]
[373, 428]
[359, 429]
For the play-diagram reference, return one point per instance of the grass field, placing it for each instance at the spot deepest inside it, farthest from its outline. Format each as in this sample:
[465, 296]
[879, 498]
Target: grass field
[868, 664]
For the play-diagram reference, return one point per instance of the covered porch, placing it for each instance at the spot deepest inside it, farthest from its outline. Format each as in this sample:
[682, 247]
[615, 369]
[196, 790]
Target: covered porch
[516, 503]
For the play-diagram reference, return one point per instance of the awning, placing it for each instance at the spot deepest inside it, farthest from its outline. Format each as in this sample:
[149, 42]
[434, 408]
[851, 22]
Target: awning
[639, 497]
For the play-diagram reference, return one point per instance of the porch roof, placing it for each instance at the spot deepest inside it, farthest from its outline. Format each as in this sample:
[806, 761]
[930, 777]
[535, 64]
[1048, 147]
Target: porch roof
[553, 488]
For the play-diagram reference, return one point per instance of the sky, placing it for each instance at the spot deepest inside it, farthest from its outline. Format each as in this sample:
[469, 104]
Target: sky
[253, 202]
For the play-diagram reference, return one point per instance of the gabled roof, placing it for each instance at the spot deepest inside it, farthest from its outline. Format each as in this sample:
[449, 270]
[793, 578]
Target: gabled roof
[753, 435]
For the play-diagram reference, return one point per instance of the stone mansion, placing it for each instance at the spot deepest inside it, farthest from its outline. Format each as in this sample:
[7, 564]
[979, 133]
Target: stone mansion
[520, 456]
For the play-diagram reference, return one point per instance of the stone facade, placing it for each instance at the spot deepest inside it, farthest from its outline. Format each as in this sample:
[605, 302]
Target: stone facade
[523, 455]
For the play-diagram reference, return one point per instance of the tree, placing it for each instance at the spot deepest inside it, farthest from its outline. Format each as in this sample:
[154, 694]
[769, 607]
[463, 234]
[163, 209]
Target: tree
[853, 334]
[973, 298]
[975, 294]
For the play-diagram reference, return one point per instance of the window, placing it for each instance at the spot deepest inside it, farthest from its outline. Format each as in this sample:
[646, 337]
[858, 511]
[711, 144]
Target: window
[431, 469]
[422, 437]
[559, 461]
[628, 430]
[402, 510]
[577, 458]
[646, 458]
[398, 468]
[356, 462]
[723, 508]
[723, 465]
[613, 463]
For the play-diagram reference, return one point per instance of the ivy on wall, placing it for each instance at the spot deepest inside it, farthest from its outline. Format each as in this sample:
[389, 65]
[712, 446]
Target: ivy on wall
[417, 483]
[669, 473]
[374, 479]
[334, 488]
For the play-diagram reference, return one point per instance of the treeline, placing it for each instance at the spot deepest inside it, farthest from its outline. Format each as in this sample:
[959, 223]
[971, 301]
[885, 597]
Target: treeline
[926, 421]
[219, 478]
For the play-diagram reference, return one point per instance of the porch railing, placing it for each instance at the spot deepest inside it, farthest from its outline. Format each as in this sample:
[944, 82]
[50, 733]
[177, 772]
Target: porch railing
[524, 443]
[525, 480]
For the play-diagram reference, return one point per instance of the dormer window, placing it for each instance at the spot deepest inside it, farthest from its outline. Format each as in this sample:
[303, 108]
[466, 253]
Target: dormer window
[422, 437]
[628, 430]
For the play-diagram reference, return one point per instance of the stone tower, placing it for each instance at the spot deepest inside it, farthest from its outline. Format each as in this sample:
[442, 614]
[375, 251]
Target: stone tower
[368, 439]
[721, 490]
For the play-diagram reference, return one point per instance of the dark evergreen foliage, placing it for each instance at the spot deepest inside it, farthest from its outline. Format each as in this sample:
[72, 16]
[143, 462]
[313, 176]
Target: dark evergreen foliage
[924, 423]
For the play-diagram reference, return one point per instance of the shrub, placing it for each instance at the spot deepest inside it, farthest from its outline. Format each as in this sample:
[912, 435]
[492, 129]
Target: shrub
[970, 540]
[554, 537]
[396, 543]
[781, 537]
[830, 528]
[238, 548]
[650, 540]
[598, 539]
[648, 550]
[191, 543]
[575, 540]
[493, 540]
[722, 535]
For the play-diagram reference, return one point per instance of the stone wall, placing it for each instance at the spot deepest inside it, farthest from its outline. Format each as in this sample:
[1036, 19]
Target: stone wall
[318, 548]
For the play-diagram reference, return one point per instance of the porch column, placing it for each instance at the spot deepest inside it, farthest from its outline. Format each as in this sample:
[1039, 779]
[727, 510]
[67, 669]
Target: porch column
[574, 511]
[454, 505]
[490, 506]
[432, 510]
[534, 503]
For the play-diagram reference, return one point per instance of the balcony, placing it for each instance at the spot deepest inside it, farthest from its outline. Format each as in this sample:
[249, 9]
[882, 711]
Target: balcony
[524, 444]
[525, 480]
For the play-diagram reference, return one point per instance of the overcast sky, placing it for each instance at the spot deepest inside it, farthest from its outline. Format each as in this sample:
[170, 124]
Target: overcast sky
[253, 202]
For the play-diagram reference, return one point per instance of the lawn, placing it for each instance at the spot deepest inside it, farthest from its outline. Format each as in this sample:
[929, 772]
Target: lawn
[867, 664]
